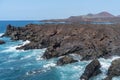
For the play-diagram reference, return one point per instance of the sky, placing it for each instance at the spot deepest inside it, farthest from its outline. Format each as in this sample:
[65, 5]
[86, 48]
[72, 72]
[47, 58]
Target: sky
[54, 9]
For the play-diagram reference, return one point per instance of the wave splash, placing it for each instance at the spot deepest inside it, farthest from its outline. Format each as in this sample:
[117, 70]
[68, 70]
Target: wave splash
[13, 47]
[1, 34]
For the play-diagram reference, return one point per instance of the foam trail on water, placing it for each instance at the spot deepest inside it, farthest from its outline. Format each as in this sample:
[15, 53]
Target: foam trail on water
[76, 57]
[39, 56]
[49, 65]
[26, 42]
[37, 53]
[1, 34]
[36, 71]
[46, 67]
[34, 53]
[13, 48]
[26, 57]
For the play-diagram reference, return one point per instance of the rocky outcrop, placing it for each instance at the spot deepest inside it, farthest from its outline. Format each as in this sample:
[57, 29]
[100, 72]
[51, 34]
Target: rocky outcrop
[114, 69]
[65, 60]
[92, 69]
[90, 41]
[2, 42]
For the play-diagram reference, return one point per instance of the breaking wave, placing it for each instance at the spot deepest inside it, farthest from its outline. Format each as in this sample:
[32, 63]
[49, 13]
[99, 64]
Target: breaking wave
[1, 34]
[12, 48]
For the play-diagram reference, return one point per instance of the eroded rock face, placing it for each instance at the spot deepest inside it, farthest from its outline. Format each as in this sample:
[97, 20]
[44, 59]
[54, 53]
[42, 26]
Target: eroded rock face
[65, 60]
[114, 69]
[2, 42]
[92, 69]
[87, 40]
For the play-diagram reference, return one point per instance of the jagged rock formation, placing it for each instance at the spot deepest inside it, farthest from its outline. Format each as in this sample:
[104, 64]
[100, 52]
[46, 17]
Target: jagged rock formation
[92, 69]
[114, 69]
[87, 40]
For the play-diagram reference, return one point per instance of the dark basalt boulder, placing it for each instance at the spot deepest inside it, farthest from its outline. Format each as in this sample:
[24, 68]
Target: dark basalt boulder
[114, 69]
[92, 69]
[65, 60]
[52, 52]
[2, 42]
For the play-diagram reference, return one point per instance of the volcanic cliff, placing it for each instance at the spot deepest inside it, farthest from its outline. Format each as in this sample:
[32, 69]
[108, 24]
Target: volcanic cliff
[87, 40]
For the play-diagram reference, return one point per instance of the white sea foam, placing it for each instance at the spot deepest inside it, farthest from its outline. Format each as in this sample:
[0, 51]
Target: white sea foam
[76, 56]
[77, 67]
[30, 73]
[1, 34]
[25, 42]
[49, 65]
[13, 48]
[73, 71]
[37, 53]
[29, 55]
[36, 71]
[26, 57]
[39, 58]
[107, 62]
[45, 68]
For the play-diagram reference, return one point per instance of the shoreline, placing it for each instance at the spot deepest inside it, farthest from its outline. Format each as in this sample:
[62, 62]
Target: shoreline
[90, 41]
[57, 36]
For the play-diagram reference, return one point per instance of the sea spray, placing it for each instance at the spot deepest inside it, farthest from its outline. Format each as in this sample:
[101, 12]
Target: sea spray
[105, 64]
[1, 34]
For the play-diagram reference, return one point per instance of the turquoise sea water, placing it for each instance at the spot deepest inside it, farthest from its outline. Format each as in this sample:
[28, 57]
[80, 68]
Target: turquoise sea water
[28, 65]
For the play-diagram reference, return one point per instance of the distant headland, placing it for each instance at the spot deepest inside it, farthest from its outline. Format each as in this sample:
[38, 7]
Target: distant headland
[99, 17]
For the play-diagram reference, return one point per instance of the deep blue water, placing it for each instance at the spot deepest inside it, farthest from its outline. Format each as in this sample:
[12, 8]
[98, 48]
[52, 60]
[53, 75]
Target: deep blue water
[28, 65]
[3, 24]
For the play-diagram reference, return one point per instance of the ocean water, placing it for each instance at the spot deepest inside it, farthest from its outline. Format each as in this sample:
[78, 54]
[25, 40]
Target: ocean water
[28, 65]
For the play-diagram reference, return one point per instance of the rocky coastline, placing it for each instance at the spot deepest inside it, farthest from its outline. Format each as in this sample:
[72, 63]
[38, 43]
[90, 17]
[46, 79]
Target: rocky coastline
[90, 41]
